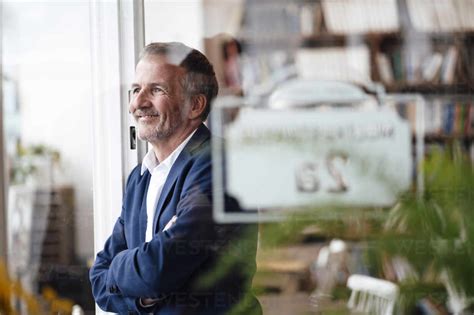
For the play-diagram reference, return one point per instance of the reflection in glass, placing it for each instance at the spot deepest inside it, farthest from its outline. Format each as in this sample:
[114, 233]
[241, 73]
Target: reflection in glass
[46, 113]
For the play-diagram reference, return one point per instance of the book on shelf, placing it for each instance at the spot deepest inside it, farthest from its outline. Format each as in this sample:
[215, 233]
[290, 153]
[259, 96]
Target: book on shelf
[441, 15]
[438, 67]
[362, 16]
[333, 12]
[350, 64]
[433, 117]
[457, 118]
[448, 121]
[465, 9]
[384, 68]
[411, 116]
[422, 15]
[431, 68]
[311, 18]
[398, 66]
[441, 117]
[266, 21]
[447, 15]
[437, 122]
[412, 62]
[469, 123]
[448, 70]
[307, 20]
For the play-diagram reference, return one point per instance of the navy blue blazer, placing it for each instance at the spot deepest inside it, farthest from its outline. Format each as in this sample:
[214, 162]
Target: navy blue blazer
[194, 267]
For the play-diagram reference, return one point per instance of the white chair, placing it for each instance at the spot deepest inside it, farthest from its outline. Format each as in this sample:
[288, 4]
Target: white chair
[372, 295]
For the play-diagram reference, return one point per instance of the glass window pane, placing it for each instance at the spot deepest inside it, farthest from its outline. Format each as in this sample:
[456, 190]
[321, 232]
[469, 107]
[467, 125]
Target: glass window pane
[412, 58]
[47, 116]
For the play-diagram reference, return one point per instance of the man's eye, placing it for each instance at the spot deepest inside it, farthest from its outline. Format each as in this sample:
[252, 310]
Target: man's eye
[157, 89]
[135, 90]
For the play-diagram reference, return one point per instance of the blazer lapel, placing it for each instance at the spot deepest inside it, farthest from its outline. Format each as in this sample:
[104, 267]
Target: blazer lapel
[201, 135]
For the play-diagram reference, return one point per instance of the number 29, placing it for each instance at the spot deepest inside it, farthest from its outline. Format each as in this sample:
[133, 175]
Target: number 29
[308, 178]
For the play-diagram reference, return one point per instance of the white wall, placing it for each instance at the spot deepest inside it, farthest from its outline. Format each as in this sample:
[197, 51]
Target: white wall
[174, 20]
[47, 50]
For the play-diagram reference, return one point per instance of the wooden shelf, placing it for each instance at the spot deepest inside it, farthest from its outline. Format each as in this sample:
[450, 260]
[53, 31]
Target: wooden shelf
[445, 138]
[341, 37]
[427, 88]
[434, 138]
[324, 39]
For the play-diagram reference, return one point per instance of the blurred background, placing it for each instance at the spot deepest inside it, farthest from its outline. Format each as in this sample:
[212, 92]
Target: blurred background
[66, 145]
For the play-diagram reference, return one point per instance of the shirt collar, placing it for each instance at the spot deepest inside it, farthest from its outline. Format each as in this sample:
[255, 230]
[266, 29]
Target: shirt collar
[150, 161]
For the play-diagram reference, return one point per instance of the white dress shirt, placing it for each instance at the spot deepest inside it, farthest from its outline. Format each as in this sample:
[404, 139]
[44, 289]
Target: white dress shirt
[159, 172]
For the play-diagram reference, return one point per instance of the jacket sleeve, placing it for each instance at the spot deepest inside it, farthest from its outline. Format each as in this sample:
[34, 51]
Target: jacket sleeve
[108, 297]
[163, 265]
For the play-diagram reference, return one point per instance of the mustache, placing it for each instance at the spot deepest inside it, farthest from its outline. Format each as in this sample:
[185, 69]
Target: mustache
[140, 113]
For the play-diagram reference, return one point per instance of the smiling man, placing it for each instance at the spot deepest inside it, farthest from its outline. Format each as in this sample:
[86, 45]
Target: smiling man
[166, 255]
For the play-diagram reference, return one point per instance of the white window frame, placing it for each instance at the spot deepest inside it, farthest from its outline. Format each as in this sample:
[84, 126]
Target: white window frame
[117, 36]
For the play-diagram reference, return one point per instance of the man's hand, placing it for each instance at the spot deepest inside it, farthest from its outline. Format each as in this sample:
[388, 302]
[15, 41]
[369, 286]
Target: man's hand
[148, 302]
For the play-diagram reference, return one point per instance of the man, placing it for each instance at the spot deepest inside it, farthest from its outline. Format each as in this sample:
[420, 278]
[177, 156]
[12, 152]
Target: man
[165, 254]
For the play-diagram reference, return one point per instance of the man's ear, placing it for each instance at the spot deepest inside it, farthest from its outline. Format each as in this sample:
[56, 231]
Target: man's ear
[198, 105]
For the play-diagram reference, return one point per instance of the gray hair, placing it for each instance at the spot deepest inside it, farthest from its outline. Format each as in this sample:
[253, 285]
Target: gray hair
[200, 77]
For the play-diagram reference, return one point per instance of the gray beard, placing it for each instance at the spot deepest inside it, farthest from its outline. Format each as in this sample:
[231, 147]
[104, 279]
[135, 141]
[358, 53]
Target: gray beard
[160, 132]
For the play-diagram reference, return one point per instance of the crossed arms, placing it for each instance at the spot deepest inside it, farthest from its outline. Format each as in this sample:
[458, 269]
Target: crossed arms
[122, 275]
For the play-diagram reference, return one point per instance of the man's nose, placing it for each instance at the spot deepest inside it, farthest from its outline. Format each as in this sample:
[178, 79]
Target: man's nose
[139, 100]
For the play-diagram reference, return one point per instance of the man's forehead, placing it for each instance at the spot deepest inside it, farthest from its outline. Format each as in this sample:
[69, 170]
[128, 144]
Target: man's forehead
[156, 70]
[160, 60]
[160, 63]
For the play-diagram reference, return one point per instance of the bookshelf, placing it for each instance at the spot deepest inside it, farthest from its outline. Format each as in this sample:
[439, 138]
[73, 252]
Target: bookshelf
[408, 46]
